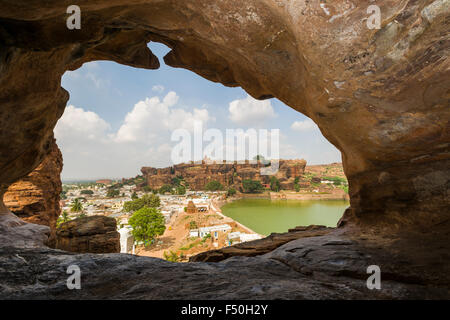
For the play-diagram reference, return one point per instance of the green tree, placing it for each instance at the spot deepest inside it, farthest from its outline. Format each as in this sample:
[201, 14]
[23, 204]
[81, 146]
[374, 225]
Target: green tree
[134, 196]
[274, 184]
[64, 217]
[165, 188]
[177, 181]
[146, 189]
[147, 224]
[231, 192]
[147, 200]
[88, 192]
[172, 256]
[252, 186]
[112, 193]
[77, 206]
[214, 185]
[193, 225]
[296, 184]
[180, 190]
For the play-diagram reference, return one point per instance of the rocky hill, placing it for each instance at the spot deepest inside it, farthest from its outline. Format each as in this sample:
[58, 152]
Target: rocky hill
[197, 175]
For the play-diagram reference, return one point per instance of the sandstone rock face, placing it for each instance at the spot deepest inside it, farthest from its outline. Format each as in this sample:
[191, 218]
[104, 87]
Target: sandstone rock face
[35, 198]
[228, 174]
[95, 234]
[381, 96]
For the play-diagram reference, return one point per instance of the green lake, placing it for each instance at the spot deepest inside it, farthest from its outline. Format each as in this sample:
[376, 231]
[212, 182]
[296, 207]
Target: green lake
[267, 216]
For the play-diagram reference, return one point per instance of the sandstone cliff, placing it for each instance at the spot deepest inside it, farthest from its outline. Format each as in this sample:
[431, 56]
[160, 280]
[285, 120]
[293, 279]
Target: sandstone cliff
[35, 198]
[197, 175]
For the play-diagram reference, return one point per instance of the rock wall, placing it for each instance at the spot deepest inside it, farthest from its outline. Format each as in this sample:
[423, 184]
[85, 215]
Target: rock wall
[35, 198]
[381, 96]
[197, 175]
[94, 234]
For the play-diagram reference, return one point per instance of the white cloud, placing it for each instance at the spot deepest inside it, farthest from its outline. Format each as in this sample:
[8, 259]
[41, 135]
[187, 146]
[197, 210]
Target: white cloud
[153, 117]
[250, 112]
[170, 99]
[92, 149]
[158, 88]
[77, 123]
[305, 125]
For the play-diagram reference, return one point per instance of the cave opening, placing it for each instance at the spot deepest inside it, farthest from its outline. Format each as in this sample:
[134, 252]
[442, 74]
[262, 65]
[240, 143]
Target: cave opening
[120, 119]
[380, 96]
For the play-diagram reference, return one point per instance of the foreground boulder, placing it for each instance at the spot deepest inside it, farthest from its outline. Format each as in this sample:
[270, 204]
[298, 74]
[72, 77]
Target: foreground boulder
[261, 246]
[95, 234]
[331, 266]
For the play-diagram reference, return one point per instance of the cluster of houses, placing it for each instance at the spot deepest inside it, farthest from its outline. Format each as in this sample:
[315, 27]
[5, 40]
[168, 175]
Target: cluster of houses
[221, 234]
[98, 203]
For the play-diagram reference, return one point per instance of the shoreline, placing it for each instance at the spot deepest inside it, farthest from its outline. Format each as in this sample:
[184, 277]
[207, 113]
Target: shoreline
[217, 204]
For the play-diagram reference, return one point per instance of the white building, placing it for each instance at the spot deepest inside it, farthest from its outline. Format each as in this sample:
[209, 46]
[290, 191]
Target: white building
[213, 230]
[126, 240]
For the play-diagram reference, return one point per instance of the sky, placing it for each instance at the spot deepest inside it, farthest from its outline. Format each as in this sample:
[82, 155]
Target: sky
[119, 119]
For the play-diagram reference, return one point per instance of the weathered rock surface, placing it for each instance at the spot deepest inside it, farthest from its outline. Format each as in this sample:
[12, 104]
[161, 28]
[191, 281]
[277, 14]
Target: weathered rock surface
[380, 96]
[35, 198]
[94, 234]
[262, 246]
[324, 267]
[197, 175]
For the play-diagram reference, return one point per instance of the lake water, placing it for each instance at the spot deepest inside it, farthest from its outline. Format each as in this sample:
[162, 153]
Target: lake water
[267, 216]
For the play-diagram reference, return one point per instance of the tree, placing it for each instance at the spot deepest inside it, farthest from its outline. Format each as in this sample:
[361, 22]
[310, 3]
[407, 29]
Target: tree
[165, 188]
[77, 206]
[274, 184]
[193, 225]
[214, 186]
[146, 189]
[177, 181]
[261, 159]
[180, 190]
[64, 217]
[147, 200]
[88, 192]
[231, 192]
[134, 196]
[296, 184]
[147, 224]
[112, 193]
[252, 186]
[172, 256]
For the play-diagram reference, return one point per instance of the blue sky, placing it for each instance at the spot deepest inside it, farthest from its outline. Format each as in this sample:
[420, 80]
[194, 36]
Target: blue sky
[119, 118]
